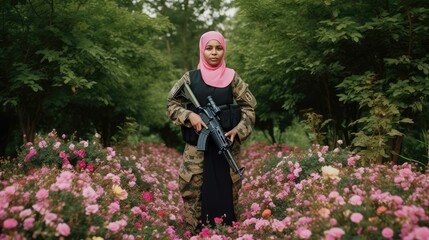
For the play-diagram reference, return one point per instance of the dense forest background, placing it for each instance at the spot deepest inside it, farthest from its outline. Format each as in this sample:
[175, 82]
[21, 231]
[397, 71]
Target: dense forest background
[351, 70]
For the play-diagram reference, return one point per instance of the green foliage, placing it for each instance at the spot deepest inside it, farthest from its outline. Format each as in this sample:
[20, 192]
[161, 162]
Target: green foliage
[363, 65]
[81, 65]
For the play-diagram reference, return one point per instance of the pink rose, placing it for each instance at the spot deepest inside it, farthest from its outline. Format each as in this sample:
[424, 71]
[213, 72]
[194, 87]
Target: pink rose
[334, 233]
[42, 194]
[81, 164]
[147, 196]
[356, 217]
[113, 226]
[218, 220]
[10, 223]
[205, 233]
[421, 233]
[387, 232]
[355, 200]
[30, 154]
[90, 167]
[28, 223]
[63, 229]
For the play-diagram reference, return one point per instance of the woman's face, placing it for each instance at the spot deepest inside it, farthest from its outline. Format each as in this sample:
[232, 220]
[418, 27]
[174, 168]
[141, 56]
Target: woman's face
[213, 53]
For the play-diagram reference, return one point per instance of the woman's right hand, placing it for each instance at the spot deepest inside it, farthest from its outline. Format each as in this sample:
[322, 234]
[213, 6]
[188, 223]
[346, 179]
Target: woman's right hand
[196, 122]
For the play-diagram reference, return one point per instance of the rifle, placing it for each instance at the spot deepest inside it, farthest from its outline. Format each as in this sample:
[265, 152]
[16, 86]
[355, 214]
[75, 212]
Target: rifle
[209, 115]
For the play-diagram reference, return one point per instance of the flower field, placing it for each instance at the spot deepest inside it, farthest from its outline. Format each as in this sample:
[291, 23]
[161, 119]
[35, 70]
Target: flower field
[62, 188]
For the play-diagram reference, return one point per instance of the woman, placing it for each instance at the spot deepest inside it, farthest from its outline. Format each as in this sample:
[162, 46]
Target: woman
[208, 186]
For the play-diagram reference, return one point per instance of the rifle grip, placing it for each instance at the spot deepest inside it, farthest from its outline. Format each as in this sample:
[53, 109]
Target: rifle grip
[202, 139]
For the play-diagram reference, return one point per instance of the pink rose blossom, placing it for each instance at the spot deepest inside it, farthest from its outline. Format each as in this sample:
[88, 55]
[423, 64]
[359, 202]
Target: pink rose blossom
[28, 223]
[147, 196]
[25, 213]
[334, 233]
[10, 223]
[91, 209]
[114, 226]
[42, 194]
[355, 200]
[80, 153]
[50, 218]
[303, 233]
[205, 233]
[30, 154]
[81, 164]
[114, 207]
[90, 167]
[387, 232]
[356, 217]
[218, 220]
[421, 233]
[43, 144]
[172, 185]
[63, 229]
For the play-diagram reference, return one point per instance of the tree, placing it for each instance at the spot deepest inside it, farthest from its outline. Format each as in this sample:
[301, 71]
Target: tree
[320, 56]
[81, 65]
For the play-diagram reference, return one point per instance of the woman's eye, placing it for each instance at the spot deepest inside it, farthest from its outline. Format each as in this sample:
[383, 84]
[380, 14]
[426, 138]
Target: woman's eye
[219, 49]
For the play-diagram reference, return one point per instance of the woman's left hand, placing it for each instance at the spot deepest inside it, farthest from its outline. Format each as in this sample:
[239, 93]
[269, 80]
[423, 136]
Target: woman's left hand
[231, 135]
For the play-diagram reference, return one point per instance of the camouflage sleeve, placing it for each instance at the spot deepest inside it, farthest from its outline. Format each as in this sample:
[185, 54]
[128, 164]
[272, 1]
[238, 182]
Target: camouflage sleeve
[247, 102]
[176, 108]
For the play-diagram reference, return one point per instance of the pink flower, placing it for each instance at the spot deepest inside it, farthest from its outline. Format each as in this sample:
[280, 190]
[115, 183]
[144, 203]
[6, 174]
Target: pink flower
[81, 164]
[25, 213]
[91, 209]
[80, 153]
[172, 185]
[387, 232]
[64, 155]
[114, 207]
[334, 233]
[421, 233]
[356, 217]
[42, 194]
[324, 212]
[303, 233]
[136, 210]
[30, 154]
[355, 200]
[28, 223]
[63, 229]
[278, 225]
[218, 220]
[113, 226]
[147, 196]
[90, 167]
[10, 223]
[50, 218]
[205, 233]
[43, 144]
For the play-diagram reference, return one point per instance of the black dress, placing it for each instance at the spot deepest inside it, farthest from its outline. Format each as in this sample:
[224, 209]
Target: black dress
[216, 198]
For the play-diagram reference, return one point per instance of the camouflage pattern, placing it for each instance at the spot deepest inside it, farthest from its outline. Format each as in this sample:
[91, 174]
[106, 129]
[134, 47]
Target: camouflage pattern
[191, 170]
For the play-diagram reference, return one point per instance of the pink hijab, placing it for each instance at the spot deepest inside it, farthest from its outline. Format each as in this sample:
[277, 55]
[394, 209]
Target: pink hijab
[219, 76]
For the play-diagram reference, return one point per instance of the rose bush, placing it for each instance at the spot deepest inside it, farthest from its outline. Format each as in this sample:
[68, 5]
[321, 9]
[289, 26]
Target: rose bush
[132, 193]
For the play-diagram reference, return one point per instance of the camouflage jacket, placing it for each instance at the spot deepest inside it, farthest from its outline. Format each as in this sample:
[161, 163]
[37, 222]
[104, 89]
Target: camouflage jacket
[177, 112]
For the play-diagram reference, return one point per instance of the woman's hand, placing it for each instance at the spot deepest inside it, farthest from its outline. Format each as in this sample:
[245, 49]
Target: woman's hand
[231, 134]
[196, 122]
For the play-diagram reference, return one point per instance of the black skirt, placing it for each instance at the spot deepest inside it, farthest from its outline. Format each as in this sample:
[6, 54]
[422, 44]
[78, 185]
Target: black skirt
[216, 199]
